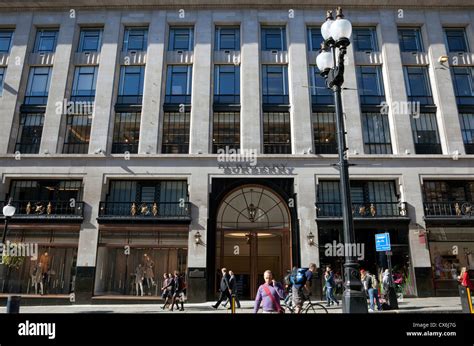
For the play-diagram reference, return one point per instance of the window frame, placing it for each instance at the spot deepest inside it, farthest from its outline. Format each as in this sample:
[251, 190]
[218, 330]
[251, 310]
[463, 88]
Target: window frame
[83, 35]
[263, 37]
[128, 32]
[416, 35]
[172, 38]
[218, 37]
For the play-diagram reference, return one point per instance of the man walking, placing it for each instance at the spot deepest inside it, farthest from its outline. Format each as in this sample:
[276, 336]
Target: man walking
[233, 289]
[225, 290]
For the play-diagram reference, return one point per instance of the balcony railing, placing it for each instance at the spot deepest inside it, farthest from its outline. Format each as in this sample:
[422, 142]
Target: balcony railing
[362, 210]
[455, 209]
[47, 209]
[146, 210]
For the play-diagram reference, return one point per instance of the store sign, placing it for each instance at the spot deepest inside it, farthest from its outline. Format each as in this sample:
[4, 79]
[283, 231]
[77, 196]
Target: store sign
[382, 242]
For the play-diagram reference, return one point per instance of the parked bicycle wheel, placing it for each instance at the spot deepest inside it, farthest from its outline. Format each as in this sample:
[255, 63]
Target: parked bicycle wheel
[315, 308]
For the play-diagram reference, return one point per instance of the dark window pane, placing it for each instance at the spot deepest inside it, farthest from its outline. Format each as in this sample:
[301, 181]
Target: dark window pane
[90, 40]
[376, 132]
[227, 38]
[276, 133]
[45, 40]
[314, 39]
[181, 39]
[5, 40]
[78, 130]
[226, 131]
[365, 39]
[273, 38]
[176, 133]
[126, 133]
[29, 133]
[467, 129]
[135, 39]
[425, 134]
[410, 40]
[324, 132]
[456, 40]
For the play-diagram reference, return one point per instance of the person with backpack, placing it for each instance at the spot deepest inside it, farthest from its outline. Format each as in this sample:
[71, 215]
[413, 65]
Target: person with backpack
[178, 286]
[269, 295]
[301, 285]
[224, 289]
[371, 287]
[330, 285]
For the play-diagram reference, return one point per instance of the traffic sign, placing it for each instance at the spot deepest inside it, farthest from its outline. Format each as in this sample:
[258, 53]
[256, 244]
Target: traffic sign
[382, 242]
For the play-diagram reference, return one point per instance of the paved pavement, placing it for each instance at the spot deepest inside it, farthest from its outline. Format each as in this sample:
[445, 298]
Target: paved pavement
[408, 305]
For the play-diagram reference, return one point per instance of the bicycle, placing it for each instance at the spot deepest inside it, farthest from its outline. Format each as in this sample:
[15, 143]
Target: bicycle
[309, 307]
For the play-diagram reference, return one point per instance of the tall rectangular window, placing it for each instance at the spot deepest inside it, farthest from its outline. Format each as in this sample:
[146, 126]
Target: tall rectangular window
[314, 39]
[181, 38]
[456, 40]
[418, 84]
[2, 78]
[131, 85]
[29, 133]
[273, 38]
[90, 40]
[425, 134]
[376, 131]
[227, 84]
[83, 87]
[226, 131]
[135, 39]
[45, 40]
[467, 129]
[227, 38]
[365, 39]
[320, 93]
[276, 133]
[78, 129]
[275, 84]
[5, 40]
[176, 133]
[126, 133]
[463, 80]
[324, 133]
[410, 39]
[38, 86]
[369, 81]
[178, 84]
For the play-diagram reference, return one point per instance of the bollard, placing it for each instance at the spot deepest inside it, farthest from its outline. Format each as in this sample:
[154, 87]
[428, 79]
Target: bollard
[466, 299]
[13, 304]
[232, 303]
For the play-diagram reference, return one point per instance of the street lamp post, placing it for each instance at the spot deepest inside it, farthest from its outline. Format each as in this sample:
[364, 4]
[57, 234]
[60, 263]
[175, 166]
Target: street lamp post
[330, 61]
[8, 212]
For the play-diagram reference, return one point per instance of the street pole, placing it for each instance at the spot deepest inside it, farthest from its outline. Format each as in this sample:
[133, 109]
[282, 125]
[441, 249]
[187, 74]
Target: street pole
[5, 229]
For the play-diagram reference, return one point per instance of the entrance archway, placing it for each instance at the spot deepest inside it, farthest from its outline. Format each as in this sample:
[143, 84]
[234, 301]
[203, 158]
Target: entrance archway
[253, 234]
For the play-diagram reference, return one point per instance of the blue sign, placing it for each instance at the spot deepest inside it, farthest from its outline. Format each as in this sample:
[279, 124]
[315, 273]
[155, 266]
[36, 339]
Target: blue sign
[382, 242]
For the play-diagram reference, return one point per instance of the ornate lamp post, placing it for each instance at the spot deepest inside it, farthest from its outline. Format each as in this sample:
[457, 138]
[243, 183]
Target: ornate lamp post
[330, 61]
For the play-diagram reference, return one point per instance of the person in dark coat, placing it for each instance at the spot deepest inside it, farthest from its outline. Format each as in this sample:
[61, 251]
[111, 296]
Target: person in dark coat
[233, 289]
[225, 290]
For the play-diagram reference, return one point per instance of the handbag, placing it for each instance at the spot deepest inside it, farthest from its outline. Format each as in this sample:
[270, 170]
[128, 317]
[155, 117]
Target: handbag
[274, 301]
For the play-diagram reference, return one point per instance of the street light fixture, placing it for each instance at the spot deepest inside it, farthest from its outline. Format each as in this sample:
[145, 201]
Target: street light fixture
[8, 211]
[330, 62]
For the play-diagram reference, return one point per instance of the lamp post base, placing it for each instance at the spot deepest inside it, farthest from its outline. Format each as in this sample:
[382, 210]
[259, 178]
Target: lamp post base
[354, 299]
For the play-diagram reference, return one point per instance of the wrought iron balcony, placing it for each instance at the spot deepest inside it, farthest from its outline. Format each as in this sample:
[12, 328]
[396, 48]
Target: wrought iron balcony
[456, 209]
[173, 211]
[363, 210]
[44, 209]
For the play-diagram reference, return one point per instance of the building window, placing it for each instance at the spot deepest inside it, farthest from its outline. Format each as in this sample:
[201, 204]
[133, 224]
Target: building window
[448, 191]
[276, 133]
[410, 40]
[467, 129]
[227, 84]
[227, 38]
[83, 88]
[376, 133]
[131, 85]
[320, 93]
[45, 40]
[324, 130]
[176, 133]
[425, 134]
[135, 39]
[5, 40]
[463, 81]
[126, 133]
[365, 39]
[369, 81]
[2, 79]
[456, 40]
[78, 129]
[274, 38]
[275, 84]
[178, 84]
[181, 38]
[314, 39]
[38, 86]
[29, 133]
[226, 131]
[418, 85]
[90, 40]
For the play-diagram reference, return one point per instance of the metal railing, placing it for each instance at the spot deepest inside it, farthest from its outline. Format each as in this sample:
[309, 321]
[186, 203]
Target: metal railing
[47, 209]
[449, 209]
[146, 210]
[362, 210]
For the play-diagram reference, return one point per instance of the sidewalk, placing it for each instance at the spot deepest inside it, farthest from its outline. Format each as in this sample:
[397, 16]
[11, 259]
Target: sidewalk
[408, 305]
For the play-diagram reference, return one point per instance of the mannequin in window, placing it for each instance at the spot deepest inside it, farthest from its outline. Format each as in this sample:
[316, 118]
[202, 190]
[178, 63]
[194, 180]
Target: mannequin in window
[139, 272]
[37, 278]
[148, 268]
[44, 265]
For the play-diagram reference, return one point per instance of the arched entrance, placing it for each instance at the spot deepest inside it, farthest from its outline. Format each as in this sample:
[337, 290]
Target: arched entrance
[253, 233]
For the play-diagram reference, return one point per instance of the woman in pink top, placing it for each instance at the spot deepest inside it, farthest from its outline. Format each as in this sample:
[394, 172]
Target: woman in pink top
[269, 295]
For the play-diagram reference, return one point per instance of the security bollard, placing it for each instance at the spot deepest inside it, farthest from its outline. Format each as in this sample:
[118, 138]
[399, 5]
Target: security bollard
[13, 304]
[232, 303]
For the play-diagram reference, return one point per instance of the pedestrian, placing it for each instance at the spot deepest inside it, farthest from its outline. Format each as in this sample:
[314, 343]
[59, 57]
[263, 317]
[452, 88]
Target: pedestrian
[168, 289]
[288, 285]
[224, 288]
[464, 280]
[301, 285]
[269, 295]
[233, 289]
[370, 285]
[178, 288]
[330, 285]
[386, 283]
